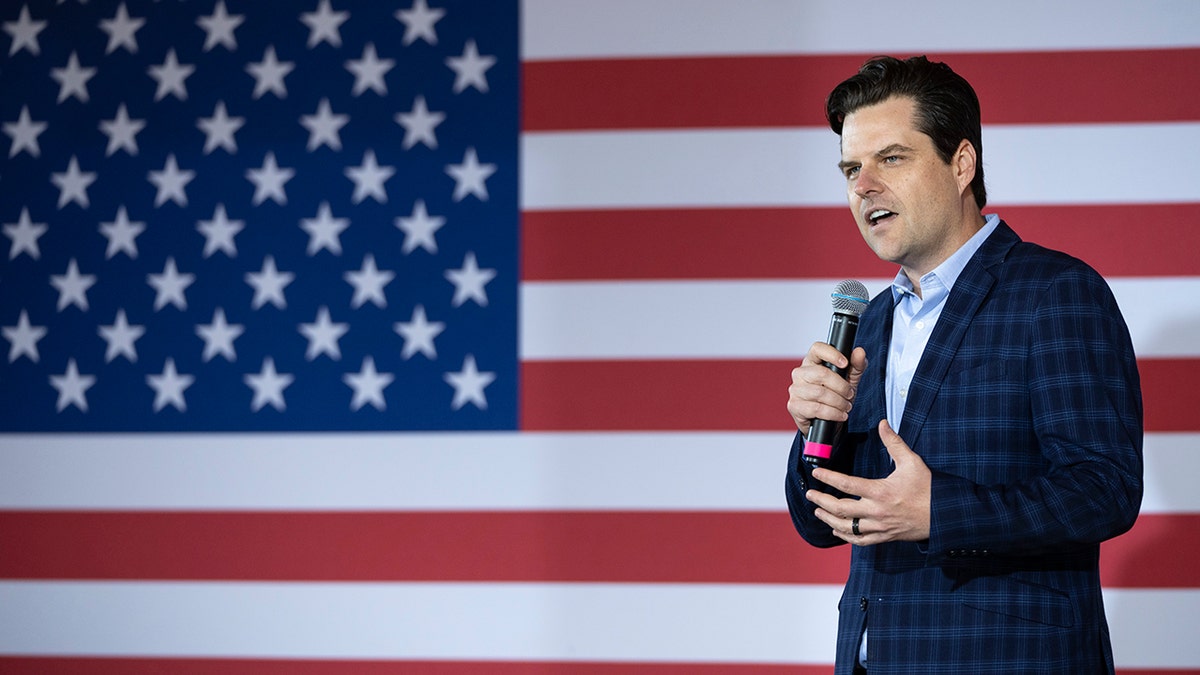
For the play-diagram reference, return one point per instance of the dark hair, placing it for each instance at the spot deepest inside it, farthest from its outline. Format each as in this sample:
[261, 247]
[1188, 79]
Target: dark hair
[947, 108]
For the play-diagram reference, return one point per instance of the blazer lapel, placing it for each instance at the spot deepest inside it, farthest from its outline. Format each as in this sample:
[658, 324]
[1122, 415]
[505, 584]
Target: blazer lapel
[875, 335]
[969, 291]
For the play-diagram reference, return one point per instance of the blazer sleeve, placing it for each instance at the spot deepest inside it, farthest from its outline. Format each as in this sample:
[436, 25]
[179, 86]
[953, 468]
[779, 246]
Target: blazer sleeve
[1082, 387]
[799, 480]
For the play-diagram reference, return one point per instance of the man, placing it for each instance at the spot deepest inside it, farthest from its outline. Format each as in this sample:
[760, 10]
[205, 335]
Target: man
[992, 418]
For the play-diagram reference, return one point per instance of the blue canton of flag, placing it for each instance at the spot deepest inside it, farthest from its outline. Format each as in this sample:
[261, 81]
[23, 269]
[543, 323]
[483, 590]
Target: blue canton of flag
[258, 216]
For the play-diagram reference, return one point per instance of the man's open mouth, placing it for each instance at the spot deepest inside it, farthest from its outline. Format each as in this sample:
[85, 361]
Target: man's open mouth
[879, 215]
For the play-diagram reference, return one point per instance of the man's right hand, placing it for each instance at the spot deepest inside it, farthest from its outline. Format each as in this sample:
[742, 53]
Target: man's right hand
[818, 392]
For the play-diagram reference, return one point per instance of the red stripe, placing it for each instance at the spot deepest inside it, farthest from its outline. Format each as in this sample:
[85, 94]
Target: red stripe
[403, 546]
[823, 242]
[777, 91]
[745, 395]
[633, 547]
[159, 666]
[1138, 558]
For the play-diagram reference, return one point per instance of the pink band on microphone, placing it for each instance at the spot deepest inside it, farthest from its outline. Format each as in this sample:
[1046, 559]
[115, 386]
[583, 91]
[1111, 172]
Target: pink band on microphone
[817, 449]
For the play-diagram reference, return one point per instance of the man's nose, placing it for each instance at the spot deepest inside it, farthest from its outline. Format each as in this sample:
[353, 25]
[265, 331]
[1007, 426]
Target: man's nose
[866, 182]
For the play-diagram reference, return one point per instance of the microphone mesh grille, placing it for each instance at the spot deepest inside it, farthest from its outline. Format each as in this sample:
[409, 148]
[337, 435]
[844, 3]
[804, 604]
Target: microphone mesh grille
[850, 297]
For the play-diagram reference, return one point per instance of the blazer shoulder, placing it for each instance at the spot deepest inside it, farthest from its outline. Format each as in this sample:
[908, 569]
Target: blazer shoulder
[1008, 256]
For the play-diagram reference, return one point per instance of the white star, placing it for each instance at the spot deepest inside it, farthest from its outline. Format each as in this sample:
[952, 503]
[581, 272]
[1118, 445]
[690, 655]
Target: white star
[219, 233]
[470, 177]
[323, 25]
[218, 337]
[72, 286]
[121, 235]
[368, 283]
[24, 32]
[469, 384]
[268, 386]
[169, 286]
[323, 336]
[168, 387]
[470, 69]
[418, 334]
[170, 77]
[72, 80]
[269, 284]
[71, 387]
[418, 22]
[269, 73]
[419, 124]
[121, 31]
[121, 132]
[369, 71]
[24, 234]
[368, 385]
[171, 183]
[268, 181]
[23, 338]
[24, 133]
[120, 337]
[73, 184]
[324, 230]
[324, 127]
[219, 129]
[369, 178]
[419, 229]
[469, 281]
[219, 26]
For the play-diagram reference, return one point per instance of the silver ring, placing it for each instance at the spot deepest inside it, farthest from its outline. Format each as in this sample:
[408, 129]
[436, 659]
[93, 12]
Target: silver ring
[854, 527]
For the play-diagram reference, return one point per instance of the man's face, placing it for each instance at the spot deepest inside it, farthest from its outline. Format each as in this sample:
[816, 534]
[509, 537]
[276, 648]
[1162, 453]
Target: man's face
[907, 202]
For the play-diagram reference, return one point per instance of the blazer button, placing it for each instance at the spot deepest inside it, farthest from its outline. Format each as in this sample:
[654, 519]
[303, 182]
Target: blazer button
[862, 603]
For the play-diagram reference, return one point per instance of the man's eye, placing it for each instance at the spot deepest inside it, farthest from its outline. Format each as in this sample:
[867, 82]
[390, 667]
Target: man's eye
[851, 172]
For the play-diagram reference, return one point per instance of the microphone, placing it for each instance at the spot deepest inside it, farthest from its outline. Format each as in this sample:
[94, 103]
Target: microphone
[849, 302]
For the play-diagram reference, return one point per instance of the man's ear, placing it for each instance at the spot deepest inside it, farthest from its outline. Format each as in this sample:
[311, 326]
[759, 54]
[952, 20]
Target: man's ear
[964, 163]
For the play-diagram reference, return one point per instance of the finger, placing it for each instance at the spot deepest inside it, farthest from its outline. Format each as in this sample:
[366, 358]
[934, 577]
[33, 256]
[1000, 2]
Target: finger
[851, 485]
[842, 527]
[823, 352]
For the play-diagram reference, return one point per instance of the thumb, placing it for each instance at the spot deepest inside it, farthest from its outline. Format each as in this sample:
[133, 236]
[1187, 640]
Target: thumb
[858, 364]
[896, 447]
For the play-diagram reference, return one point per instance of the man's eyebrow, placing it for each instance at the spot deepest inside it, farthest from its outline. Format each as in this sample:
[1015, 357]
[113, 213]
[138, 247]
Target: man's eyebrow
[892, 149]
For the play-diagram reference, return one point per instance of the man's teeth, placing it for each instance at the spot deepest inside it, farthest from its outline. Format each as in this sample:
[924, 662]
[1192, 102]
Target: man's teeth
[879, 214]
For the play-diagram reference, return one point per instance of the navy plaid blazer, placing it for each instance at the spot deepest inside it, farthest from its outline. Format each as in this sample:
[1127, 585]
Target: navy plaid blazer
[1026, 406]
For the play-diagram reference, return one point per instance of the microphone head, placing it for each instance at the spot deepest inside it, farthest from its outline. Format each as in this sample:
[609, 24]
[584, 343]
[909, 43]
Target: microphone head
[850, 297]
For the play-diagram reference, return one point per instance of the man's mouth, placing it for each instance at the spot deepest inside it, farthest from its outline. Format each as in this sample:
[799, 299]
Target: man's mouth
[879, 215]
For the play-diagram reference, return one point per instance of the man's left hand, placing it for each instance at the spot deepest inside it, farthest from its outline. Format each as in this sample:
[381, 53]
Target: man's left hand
[895, 508]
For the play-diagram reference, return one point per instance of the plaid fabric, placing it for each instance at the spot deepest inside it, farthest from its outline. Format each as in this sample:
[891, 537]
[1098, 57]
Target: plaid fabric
[1026, 406]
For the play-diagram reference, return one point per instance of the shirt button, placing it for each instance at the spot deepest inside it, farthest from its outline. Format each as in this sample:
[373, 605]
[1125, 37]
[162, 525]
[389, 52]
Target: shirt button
[920, 325]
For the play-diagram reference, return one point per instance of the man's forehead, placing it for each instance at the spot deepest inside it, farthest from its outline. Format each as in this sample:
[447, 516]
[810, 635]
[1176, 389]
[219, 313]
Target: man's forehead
[876, 128]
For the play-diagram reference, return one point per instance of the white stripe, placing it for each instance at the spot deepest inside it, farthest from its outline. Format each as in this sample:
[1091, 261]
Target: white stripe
[1154, 628]
[726, 471]
[1024, 164]
[557, 29]
[774, 319]
[684, 623]
[674, 168]
[561, 622]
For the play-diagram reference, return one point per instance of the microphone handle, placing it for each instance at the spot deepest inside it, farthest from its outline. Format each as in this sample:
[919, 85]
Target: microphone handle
[819, 445]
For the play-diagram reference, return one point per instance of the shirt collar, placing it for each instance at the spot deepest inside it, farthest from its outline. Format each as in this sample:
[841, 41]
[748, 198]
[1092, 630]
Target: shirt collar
[950, 269]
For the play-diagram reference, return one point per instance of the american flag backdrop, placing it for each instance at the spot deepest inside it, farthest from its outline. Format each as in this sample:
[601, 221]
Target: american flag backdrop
[451, 336]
